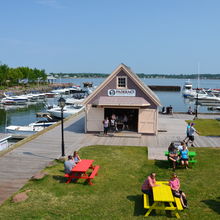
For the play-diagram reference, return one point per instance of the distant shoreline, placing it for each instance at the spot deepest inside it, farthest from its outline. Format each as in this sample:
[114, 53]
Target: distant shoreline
[140, 75]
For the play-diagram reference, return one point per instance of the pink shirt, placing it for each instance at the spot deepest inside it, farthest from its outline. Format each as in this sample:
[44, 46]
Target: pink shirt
[148, 183]
[174, 184]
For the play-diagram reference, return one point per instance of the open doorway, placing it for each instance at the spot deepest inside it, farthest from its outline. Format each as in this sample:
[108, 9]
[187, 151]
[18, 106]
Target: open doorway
[126, 119]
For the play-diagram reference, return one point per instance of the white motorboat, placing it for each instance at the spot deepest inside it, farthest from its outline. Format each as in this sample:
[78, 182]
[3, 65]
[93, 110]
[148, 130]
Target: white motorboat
[67, 110]
[72, 101]
[4, 141]
[213, 108]
[14, 100]
[187, 90]
[67, 91]
[208, 98]
[199, 94]
[29, 129]
[23, 130]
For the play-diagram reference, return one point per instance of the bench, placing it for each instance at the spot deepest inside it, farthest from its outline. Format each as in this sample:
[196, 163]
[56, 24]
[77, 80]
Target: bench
[193, 161]
[146, 201]
[191, 157]
[70, 177]
[178, 203]
[93, 174]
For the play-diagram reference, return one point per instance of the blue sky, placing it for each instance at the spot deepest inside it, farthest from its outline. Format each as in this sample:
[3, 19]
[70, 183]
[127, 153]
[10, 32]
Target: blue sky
[150, 36]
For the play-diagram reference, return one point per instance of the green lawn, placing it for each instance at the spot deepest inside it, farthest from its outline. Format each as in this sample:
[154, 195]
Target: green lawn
[116, 193]
[207, 127]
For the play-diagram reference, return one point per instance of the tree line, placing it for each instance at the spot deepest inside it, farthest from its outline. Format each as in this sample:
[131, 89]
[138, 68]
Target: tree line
[13, 76]
[140, 75]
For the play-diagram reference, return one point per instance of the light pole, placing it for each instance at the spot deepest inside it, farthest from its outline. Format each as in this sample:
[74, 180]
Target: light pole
[197, 98]
[61, 103]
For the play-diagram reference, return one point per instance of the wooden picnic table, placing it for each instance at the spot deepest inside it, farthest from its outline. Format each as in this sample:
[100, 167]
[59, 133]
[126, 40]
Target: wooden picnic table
[81, 171]
[163, 199]
[83, 166]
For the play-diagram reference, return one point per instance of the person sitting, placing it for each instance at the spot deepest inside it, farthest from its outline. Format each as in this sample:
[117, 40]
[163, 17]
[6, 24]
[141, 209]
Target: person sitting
[190, 110]
[163, 110]
[180, 147]
[69, 164]
[175, 187]
[76, 157]
[148, 184]
[173, 155]
[184, 157]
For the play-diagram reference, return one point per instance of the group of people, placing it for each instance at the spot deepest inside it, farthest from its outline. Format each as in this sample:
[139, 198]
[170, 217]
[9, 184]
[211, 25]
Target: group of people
[174, 184]
[167, 110]
[178, 153]
[71, 162]
[112, 123]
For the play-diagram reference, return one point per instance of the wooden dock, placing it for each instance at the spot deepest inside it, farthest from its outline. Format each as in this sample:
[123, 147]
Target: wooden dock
[19, 165]
[165, 88]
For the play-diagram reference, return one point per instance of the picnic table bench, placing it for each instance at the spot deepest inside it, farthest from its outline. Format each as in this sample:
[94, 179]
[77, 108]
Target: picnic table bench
[191, 154]
[163, 199]
[82, 171]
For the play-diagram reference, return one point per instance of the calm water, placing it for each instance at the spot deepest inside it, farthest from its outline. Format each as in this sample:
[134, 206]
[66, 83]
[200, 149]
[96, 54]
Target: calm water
[25, 116]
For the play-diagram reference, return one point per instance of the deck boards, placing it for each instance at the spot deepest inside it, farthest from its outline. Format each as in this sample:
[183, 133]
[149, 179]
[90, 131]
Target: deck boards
[19, 165]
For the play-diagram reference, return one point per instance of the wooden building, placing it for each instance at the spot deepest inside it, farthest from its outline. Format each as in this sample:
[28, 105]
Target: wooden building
[123, 95]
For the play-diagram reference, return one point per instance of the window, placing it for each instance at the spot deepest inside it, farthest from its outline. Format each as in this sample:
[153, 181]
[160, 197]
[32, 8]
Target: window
[122, 82]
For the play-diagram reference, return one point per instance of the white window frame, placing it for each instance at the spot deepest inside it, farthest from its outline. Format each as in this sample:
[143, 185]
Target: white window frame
[121, 87]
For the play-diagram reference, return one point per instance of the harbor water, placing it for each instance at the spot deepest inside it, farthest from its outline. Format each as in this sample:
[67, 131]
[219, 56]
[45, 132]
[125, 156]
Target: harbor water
[24, 115]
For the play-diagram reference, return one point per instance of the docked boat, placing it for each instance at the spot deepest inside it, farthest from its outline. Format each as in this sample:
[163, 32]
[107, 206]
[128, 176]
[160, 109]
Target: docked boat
[14, 100]
[213, 108]
[187, 90]
[23, 130]
[205, 97]
[67, 110]
[4, 141]
[29, 129]
[72, 101]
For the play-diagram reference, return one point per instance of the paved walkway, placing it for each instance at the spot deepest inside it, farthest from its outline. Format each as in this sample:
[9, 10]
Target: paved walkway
[19, 165]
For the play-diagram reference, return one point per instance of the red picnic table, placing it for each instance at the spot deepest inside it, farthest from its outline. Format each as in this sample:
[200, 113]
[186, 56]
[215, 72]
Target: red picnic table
[80, 171]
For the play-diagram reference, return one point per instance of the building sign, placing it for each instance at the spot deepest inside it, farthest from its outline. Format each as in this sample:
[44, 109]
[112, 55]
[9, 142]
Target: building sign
[121, 92]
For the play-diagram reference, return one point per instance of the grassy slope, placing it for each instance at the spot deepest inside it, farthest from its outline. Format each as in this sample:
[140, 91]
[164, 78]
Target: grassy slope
[116, 193]
[207, 127]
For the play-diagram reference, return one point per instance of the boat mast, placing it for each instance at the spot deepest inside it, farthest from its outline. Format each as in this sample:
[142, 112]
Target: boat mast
[198, 82]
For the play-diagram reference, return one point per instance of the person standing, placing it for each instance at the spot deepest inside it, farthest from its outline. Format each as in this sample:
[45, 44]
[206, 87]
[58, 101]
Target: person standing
[187, 132]
[125, 122]
[106, 125]
[175, 187]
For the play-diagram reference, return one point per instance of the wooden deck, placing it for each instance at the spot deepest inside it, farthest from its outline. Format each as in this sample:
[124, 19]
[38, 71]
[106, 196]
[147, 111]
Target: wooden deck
[19, 165]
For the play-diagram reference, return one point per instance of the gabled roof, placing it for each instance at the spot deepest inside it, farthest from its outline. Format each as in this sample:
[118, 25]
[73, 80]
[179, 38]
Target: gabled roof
[133, 76]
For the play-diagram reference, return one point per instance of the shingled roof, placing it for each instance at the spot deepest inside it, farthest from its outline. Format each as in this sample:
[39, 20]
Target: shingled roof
[133, 76]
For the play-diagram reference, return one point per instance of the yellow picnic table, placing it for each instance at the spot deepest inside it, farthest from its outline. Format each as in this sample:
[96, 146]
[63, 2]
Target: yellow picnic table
[163, 199]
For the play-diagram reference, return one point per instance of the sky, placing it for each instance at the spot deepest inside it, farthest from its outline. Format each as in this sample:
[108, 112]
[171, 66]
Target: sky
[95, 36]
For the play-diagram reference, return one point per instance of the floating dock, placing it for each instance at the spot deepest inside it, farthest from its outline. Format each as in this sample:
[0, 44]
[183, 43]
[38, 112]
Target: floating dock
[165, 88]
